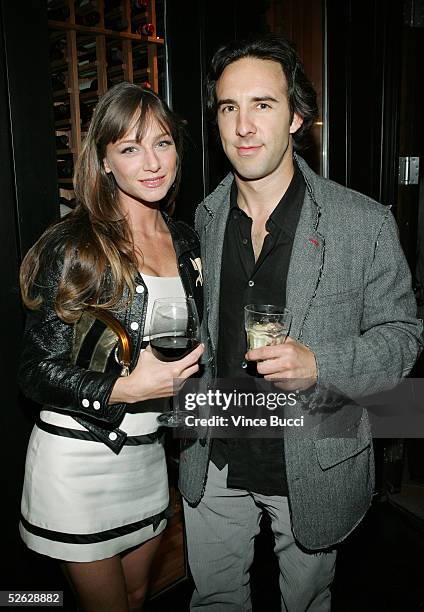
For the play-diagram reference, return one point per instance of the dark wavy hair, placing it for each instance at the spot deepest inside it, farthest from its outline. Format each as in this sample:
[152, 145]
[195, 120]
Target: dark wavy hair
[301, 94]
[95, 236]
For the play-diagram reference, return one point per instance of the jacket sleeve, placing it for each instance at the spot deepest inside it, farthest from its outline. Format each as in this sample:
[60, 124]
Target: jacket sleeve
[391, 335]
[46, 374]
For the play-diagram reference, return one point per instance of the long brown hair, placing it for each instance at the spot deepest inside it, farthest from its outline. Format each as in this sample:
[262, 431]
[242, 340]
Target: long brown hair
[95, 236]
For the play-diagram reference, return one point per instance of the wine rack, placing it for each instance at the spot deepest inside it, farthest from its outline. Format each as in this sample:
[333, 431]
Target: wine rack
[95, 44]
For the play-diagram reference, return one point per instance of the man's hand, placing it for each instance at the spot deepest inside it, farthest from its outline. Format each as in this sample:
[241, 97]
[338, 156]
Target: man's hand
[291, 362]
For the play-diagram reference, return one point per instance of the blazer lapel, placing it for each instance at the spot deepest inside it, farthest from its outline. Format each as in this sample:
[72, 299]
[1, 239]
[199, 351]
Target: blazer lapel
[305, 267]
[214, 233]
[212, 240]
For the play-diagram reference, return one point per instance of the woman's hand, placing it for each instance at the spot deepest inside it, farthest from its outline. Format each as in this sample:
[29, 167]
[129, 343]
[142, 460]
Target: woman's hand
[152, 378]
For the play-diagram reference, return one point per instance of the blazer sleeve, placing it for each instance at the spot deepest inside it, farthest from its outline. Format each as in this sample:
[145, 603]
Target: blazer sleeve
[391, 335]
[46, 373]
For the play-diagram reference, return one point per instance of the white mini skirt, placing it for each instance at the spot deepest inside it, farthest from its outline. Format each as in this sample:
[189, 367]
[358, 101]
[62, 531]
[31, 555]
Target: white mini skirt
[81, 501]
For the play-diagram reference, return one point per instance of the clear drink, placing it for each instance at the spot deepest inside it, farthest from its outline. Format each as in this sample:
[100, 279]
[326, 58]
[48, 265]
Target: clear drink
[265, 334]
[266, 325]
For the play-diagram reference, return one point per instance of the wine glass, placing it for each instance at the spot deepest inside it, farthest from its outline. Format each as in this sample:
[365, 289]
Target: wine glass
[174, 332]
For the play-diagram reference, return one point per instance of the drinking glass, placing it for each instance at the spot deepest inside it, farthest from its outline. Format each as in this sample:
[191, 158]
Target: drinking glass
[174, 332]
[265, 325]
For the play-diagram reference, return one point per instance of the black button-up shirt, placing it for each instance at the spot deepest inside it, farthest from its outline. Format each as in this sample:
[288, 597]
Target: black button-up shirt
[253, 464]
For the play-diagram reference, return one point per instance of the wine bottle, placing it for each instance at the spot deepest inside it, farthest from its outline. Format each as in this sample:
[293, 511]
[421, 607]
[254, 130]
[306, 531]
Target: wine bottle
[146, 29]
[140, 63]
[58, 50]
[65, 168]
[85, 112]
[69, 203]
[89, 20]
[118, 25]
[61, 111]
[86, 56]
[88, 85]
[114, 57]
[58, 14]
[85, 6]
[87, 65]
[58, 81]
[62, 141]
[112, 4]
[140, 52]
[140, 4]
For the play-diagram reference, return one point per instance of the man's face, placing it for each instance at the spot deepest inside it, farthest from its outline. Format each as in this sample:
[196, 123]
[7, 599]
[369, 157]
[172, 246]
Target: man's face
[254, 118]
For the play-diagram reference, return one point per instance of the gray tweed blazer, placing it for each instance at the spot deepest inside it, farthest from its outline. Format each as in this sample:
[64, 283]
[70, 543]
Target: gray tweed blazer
[349, 289]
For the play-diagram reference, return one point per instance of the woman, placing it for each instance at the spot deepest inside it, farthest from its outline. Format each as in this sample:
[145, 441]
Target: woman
[95, 486]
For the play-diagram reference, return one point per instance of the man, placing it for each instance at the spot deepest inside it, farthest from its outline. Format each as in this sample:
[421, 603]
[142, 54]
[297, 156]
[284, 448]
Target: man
[274, 232]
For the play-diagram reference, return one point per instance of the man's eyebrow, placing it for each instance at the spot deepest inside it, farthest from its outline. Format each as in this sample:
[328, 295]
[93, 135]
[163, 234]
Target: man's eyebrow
[254, 99]
[226, 101]
[264, 99]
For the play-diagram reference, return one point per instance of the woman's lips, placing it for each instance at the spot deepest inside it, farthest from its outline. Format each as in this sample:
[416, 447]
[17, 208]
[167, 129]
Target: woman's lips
[152, 183]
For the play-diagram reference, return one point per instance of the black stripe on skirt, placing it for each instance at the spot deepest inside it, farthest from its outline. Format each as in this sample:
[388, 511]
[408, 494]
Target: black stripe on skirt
[92, 538]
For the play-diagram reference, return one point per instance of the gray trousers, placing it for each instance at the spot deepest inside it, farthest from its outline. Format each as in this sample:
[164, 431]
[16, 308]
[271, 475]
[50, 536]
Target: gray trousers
[220, 539]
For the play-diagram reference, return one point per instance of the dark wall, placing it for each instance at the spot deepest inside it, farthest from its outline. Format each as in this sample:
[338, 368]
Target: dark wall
[28, 205]
[13, 443]
[186, 95]
[206, 26]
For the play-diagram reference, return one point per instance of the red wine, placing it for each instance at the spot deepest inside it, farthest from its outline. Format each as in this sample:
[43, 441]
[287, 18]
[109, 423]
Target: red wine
[171, 348]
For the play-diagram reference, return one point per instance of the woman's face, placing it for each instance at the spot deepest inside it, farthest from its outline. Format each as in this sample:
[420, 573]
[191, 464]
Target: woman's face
[144, 171]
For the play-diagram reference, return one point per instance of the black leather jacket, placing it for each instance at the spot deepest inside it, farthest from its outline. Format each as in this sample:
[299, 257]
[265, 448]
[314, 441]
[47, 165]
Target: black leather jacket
[46, 373]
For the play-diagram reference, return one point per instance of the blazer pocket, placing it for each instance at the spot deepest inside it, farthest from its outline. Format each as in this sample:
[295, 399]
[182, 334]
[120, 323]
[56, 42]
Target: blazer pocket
[336, 298]
[332, 451]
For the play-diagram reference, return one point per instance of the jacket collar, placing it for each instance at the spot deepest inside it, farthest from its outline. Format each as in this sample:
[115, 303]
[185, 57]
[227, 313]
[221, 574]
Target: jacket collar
[183, 236]
[219, 198]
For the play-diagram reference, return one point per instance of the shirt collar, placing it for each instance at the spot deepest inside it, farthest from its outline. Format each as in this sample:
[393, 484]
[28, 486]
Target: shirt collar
[286, 214]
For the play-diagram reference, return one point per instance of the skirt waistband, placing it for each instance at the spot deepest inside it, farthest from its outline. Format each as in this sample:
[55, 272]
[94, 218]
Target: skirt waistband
[79, 434]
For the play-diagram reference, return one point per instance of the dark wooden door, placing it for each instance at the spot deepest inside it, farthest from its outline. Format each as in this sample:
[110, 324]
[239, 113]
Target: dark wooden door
[364, 47]
[410, 197]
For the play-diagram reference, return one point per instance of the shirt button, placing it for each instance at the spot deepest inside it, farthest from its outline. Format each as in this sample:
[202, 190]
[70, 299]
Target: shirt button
[251, 283]
[134, 325]
[244, 241]
[113, 436]
[96, 405]
[85, 403]
[139, 289]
